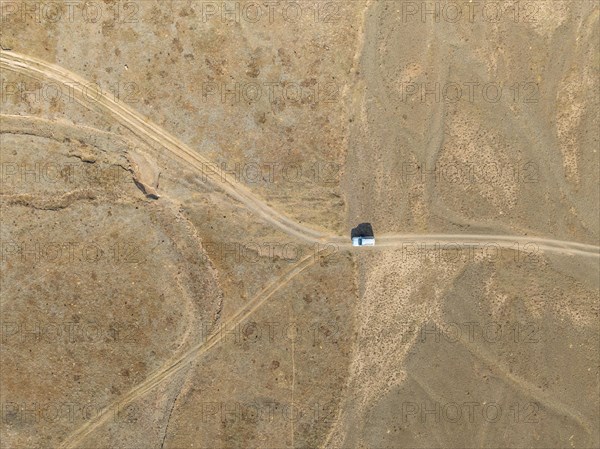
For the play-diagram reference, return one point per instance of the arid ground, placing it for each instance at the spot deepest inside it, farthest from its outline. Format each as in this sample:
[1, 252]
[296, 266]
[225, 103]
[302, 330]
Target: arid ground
[179, 180]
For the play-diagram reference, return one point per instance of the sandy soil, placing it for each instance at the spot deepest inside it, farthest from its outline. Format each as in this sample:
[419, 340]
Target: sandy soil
[179, 182]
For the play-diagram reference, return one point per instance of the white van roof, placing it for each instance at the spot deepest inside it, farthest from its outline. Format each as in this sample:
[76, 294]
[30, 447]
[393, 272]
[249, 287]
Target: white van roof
[363, 241]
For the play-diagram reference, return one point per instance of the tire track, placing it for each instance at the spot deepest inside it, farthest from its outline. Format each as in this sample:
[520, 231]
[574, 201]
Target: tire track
[143, 128]
[502, 241]
[149, 132]
[179, 363]
[525, 386]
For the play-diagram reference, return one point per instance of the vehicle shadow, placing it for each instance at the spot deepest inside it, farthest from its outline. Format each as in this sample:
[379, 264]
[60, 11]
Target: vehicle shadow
[362, 230]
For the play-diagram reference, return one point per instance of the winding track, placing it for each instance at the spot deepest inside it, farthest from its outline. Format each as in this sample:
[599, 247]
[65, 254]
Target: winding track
[175, 365]
[150, 132]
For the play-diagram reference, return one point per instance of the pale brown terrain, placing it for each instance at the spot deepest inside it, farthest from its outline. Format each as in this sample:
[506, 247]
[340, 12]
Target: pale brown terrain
[179, 180]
